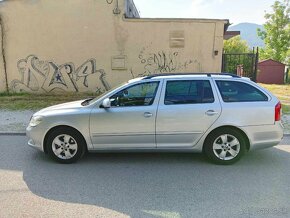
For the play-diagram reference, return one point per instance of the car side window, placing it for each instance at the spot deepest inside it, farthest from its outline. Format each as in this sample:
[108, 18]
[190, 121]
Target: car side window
[137, 95]
[188, 92]
[232, 91]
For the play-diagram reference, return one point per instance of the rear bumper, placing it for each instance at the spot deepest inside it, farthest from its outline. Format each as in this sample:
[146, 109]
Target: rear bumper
[264, 136]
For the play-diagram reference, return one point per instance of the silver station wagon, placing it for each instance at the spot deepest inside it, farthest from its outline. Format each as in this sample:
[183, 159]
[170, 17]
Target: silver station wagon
[221, 115]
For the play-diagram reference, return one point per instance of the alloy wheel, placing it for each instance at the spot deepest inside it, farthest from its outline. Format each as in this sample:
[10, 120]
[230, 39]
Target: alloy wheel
[226, 147]
[64, 147]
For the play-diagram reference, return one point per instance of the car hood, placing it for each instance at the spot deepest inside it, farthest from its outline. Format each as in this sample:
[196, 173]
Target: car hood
[61, 107]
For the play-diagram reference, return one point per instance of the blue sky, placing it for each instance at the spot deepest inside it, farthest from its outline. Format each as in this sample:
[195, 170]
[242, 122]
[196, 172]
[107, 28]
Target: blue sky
[237, 11]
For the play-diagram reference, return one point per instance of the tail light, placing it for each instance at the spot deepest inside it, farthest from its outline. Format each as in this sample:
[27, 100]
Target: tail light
[278, 108]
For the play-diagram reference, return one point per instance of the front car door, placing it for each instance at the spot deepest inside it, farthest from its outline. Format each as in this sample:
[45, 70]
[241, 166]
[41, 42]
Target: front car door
[130, 122]
[186, 110]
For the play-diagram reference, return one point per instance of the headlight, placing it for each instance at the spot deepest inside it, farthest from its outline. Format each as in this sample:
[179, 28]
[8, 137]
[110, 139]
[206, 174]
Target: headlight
[35, 120]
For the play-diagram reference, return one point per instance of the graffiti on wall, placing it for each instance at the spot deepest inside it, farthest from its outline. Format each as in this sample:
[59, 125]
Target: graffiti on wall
[162, 62]
[47, 76]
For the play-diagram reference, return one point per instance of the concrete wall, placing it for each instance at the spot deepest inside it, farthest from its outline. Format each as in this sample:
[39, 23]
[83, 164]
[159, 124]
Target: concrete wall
[81, 45]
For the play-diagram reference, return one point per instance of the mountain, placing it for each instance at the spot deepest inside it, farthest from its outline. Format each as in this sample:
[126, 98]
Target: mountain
[249, 33]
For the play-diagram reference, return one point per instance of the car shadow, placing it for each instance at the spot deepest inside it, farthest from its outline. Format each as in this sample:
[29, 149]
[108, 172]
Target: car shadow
[141, 184]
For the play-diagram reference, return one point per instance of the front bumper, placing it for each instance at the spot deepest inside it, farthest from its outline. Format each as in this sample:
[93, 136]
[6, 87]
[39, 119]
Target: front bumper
[35, 136]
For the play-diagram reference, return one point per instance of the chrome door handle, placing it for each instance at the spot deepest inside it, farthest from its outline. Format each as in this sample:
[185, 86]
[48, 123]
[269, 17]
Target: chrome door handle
[148, 114]
[211, 113]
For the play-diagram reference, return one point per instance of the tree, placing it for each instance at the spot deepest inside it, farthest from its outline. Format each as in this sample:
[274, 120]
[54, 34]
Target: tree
[241, 57]
[277, 33]
[236, 45]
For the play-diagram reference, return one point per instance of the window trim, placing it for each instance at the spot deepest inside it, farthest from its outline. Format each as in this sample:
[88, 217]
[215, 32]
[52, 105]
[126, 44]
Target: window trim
[189, 80]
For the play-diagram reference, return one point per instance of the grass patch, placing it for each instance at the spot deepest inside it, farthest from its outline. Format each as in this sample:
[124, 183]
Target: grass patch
[26, 101]
[283, 93]
[286, 109]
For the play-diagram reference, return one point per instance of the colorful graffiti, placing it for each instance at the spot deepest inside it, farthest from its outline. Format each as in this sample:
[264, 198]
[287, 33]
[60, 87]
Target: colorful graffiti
[47, 76]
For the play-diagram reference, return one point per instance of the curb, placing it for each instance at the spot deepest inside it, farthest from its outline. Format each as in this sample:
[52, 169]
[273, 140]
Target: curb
[12, 133]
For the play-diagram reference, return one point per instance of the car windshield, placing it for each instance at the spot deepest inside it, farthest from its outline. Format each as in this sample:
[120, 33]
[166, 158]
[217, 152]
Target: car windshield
[93, 100]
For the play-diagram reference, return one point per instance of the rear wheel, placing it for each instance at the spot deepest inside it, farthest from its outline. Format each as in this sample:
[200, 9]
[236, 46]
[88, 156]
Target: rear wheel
[225, 146]
[65, 145]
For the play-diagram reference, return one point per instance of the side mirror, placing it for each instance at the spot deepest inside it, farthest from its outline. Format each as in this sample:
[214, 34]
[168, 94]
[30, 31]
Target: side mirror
[106, 103]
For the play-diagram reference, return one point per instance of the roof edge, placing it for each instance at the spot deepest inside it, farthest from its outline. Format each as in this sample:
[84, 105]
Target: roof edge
[270, 59]
[201, 20]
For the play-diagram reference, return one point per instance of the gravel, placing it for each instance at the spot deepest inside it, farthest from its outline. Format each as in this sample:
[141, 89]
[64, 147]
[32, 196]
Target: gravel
[286, 123]
[14, 121]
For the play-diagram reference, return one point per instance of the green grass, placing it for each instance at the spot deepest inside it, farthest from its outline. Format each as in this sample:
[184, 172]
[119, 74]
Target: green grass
[285, 109]
[283, 93]
[26, 101]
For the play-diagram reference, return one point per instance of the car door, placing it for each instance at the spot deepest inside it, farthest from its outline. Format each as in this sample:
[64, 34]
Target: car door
[130, 121]
[186, 110]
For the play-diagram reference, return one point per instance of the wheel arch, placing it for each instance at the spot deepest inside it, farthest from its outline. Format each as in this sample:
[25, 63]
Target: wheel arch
[57, 127]
[231, 127]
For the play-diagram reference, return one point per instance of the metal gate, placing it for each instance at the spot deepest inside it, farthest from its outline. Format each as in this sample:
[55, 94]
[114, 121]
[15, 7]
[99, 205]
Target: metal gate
[243, 64]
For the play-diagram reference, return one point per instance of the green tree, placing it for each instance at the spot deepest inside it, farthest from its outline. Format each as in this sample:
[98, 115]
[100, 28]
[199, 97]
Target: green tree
[277, 33]
[236, 45]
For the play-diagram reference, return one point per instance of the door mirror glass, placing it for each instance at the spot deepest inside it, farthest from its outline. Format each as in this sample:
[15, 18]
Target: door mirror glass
[106, 103]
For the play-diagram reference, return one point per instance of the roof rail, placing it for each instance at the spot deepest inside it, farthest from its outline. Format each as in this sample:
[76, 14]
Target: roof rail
[186, 74]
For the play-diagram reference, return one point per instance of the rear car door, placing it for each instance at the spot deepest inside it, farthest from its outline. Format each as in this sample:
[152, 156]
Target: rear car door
[187, 108]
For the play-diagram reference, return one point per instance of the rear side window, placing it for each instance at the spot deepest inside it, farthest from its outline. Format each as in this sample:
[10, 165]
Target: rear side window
[188, 92]
[232, 91]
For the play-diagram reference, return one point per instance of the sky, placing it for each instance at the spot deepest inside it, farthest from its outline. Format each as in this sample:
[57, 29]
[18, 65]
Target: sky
[237, 11]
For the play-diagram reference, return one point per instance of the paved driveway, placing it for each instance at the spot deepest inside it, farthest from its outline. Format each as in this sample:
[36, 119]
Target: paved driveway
[142, 185]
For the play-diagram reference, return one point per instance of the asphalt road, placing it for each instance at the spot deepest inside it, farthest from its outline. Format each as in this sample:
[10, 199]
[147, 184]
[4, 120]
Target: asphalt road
[142, 185]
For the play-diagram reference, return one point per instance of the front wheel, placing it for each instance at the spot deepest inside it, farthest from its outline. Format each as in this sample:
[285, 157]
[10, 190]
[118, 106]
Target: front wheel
[65, 145]
[225, 146]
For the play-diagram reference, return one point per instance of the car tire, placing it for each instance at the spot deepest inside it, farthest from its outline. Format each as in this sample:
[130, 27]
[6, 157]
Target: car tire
[65, 145]
[225, 146]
